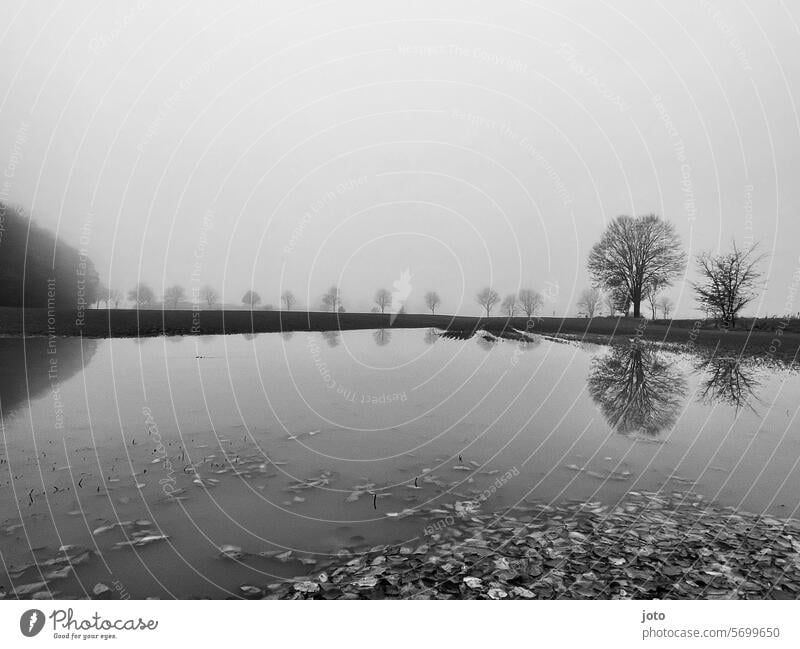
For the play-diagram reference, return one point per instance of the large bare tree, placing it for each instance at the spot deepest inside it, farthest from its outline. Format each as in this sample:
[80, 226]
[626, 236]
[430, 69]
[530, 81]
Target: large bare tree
[487, 298]
[590, 301]
[729, 282]
[529, 301]
[432, 301]
[383, 298]
[634, 253]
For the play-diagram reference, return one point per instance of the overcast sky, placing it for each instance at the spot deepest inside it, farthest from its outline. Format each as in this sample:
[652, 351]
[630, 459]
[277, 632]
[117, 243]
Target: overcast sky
[299, 144]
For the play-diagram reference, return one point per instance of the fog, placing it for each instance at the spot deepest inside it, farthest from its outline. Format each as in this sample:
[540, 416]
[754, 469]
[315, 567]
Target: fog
[297, 145]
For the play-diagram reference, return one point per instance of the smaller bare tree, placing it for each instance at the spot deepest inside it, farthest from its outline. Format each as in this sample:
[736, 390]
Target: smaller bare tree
[332, 300]
[652, 293]
[432, 301]
[173, 295]
[610, 303]
[288, 299]
[141, 295]
[530, 301]
[729, 283]
[208, 294]
[665, 304]
[590, 301]
[114, 297]
[509, 305]
[487, 298]
[251, 299]
[383, 298]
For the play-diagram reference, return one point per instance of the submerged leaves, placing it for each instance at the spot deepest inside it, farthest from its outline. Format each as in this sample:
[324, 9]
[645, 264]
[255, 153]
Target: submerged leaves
[651, 546]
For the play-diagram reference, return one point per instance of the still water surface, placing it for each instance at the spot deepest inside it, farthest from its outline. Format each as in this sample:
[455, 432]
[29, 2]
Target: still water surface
[308, 443]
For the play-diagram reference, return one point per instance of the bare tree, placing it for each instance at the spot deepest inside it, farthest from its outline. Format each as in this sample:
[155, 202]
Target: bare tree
[591, 299]
[530, 300]
[665, 304]
[639, 390]
[487, 298]
[636, 252]
[610, 303]
[208, 294]
[618, 300]
[114, 297]
[729, 282]
[652, 293]
[288, 299]
[509, 305]
[141, 295]
[432, 301]
[251, 299]
[101, 295]
[173, 295]
[383, 298]
[332, 300]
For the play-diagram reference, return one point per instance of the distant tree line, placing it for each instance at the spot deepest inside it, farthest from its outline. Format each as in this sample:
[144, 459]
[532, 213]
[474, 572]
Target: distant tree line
[635, 261]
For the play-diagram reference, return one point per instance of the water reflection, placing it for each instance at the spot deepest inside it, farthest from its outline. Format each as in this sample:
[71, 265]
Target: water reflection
[382, 337]
[727, 380]
[31, 366]
[486, 341]
[637, 388]
[333, 338]
[431, 336]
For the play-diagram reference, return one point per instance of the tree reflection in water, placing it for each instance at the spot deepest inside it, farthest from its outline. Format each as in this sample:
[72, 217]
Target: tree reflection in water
[431, 336]
[382, 337]
[727, 380]
[637, 388]
[331, 337]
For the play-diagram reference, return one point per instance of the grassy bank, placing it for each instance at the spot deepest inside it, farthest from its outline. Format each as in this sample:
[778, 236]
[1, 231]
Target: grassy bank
[780, 339]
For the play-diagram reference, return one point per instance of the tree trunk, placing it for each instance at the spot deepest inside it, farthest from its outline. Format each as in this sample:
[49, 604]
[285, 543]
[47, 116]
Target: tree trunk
[637, 303]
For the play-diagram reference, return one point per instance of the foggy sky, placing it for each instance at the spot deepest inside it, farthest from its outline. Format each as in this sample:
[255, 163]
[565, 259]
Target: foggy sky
[298, 144]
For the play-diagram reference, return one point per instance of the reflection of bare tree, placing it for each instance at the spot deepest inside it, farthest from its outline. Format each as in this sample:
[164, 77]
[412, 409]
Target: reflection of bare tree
[727, 381]
[431, 336]
[287, 335]
[637, 389]
[250, 336]
[382, 337]
[331, 337]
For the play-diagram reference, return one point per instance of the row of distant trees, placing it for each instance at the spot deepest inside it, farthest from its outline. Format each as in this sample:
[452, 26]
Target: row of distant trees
[143, 296]
[635, 261]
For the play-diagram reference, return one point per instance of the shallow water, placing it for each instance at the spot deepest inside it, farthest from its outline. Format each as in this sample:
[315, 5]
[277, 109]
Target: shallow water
[312, 442]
